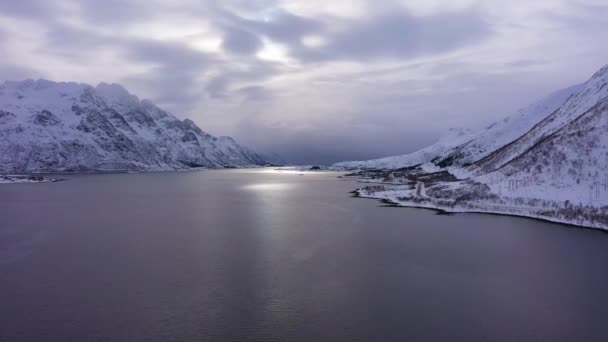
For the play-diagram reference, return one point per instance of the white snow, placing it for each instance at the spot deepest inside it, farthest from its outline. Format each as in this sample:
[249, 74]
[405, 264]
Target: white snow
[16, 179]
[549, 161]
[452, 139]
[50, 126]
[468, 147]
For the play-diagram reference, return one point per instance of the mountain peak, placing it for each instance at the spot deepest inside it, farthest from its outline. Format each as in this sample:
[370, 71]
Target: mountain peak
[117, 95]
[57, 126]
[603, 72]
[114, 88]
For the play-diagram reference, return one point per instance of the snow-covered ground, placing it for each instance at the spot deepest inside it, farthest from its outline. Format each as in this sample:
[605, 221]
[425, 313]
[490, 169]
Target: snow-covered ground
[15, 179]
[585, 215]
[556, 170]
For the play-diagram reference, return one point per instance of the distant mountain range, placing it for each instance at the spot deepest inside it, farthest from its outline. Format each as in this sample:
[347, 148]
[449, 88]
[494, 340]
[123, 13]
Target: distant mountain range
[549, 160]
[71, 127]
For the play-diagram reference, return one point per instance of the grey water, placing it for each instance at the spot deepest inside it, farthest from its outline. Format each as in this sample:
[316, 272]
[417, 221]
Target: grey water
[262, 255]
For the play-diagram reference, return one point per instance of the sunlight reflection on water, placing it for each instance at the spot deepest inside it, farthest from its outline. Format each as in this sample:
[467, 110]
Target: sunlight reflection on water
[270, 186]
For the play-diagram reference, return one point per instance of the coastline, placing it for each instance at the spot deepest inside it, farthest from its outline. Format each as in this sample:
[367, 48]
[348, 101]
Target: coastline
[27, 179]
[444, 210]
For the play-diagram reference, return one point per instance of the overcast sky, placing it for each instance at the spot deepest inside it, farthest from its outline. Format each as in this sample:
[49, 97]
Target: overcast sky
[316, 81]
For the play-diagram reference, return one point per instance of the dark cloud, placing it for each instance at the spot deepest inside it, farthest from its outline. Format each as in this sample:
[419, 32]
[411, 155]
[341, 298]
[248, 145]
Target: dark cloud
[392, 35]
[216, 87]
[279, 26]
[73, 44]
[28, 8]
[173, 89]
[254, 71]
[84, 44]
[167, 53]
[240, 41]
[178, 70]
[399, 35]
[175, 69]
[286, 27]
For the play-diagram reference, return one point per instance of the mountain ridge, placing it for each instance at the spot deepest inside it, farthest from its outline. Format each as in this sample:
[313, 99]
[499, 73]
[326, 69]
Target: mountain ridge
[51, 126]
[556, 170]
[449, 152]
[588, 95]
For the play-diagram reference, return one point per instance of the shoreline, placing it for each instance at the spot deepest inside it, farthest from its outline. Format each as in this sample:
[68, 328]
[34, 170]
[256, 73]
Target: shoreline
[450, 211]
[27, 179]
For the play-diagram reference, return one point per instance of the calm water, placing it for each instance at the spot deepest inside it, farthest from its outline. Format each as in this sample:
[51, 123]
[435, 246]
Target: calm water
[266, 256]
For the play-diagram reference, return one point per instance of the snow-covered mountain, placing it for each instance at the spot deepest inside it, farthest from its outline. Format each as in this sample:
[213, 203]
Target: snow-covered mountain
[503, 132]
[570, 164]
[48, 126]
[584, 98]
[563, 157]
[451, 140]
[557, 170]
[463, 147]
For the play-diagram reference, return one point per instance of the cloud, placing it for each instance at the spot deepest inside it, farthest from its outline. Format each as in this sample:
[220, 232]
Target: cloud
[219, 86]
[165, 53]
[254, 94]
[27, 8]
[115, 11]
[171, 70]
[522, 63]
[318, 81]
[286, 27]
[396, 34]
[583, 15]
[399, 35]
[240, 41]
[244, 35]
[10, 72]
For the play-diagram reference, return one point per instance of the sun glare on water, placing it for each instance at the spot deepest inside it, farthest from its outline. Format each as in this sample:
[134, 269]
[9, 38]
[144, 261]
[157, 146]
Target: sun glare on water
[269, 186]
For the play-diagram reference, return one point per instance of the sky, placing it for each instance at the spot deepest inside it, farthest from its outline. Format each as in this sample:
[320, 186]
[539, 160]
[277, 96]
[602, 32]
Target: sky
[315, 81]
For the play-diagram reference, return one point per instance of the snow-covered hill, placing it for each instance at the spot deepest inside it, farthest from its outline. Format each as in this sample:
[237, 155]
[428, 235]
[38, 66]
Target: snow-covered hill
[503, 132]
[48, 126]
[557, 170]
[452, 139]
[565, 156]
[586, 96]
[570, 164]
[462, 147]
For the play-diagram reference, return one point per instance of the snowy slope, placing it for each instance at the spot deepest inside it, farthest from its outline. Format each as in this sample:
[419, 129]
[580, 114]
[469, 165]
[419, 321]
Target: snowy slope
[570, 164]
[503, 132]
[454, 138]
[563, 178]
[587, 96]
[463, 148]
[48, 126]
[557, 170]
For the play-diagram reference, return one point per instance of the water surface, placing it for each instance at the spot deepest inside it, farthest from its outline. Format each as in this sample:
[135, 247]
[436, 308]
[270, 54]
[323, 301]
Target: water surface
[258, 255]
